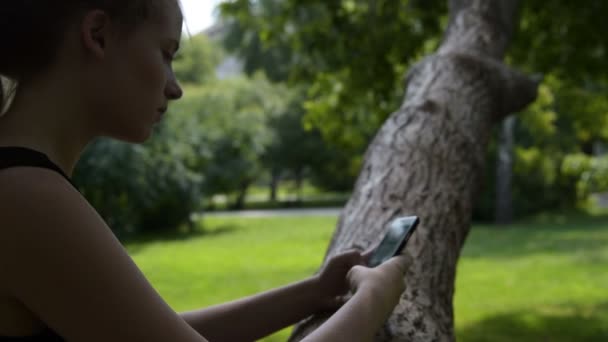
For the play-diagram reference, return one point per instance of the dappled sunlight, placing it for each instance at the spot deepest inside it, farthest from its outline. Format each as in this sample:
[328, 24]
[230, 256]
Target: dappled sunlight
[563, 322]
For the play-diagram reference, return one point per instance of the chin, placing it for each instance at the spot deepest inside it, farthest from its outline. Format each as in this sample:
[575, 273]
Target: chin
[127, 127]
[135, 136]
[141, 138]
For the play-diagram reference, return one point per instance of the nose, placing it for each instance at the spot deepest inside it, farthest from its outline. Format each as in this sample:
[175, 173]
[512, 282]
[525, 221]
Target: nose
[173, 91]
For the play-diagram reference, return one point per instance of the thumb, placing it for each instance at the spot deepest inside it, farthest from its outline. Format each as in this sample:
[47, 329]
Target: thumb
[367, 254]
[401, 262]
[356, 274]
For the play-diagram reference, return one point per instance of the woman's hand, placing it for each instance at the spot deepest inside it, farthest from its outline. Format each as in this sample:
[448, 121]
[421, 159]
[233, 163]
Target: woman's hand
[332, 280]
[346, 272]
[377, 291]
[384, 282]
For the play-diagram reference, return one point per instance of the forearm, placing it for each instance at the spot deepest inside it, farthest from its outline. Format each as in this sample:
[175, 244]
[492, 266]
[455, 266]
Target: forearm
[358, 320]
[256, 316]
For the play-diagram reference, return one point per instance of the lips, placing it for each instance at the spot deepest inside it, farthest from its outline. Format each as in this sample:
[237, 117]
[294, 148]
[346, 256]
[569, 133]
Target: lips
[161, 113]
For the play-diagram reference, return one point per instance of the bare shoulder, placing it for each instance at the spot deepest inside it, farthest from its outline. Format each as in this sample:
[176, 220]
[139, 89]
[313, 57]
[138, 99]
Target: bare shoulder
[28, 195]
[34, 200]
[59, 258]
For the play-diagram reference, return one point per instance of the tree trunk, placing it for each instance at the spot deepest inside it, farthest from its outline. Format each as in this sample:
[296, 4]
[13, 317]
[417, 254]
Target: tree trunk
[274, 183]
[299, 174]
[427, 160]
[239, 203]
[504, 172]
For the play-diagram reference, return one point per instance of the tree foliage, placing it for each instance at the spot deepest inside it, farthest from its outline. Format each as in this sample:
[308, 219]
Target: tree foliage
[233, 117]
[353, 56]
[564, 41]
[197, 59]
[141, 187]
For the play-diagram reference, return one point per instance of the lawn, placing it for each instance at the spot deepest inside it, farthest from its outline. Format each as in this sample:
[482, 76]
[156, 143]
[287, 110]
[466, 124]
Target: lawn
[540, 280]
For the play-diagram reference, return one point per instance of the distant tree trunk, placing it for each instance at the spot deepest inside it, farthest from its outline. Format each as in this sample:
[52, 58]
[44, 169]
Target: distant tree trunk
[191, 226]
[274, 183]
[239, 203]
[299, 174]
[504, 172]
[427, 159]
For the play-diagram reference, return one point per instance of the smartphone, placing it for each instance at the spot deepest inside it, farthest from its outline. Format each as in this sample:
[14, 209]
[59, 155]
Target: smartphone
[399, 231]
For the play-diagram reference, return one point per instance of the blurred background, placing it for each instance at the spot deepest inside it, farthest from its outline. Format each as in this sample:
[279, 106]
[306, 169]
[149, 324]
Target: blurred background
[282, 99]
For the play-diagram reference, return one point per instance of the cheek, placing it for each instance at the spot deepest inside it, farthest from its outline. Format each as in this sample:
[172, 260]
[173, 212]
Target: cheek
[127, 99]
[142, 86]
[151, 71]
[143, 74]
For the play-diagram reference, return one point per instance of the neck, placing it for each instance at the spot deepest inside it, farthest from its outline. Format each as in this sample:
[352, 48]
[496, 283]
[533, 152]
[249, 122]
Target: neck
[52, 124]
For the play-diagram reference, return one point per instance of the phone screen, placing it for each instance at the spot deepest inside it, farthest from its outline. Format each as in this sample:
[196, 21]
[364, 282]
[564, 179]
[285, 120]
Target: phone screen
[399, 231]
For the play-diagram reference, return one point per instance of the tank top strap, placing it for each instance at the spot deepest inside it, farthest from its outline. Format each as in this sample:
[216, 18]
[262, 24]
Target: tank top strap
[13, 156]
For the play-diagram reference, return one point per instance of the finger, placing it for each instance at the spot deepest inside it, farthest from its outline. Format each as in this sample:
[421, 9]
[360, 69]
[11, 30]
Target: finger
[337, 302]
[341, 300]
[340, 257]
[347, 254]
[351, 257]
[356, 274]
[348, 251]
[366, 256]
[408, 259]
[400, 262]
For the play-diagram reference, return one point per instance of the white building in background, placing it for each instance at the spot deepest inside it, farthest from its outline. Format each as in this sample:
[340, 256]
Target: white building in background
[231, 66]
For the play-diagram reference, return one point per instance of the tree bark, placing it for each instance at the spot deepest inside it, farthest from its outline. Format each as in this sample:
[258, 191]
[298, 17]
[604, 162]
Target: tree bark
[504, 172]
[427, 160]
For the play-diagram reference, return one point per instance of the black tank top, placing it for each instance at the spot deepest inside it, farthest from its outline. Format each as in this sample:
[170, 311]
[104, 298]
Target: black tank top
[20, 156]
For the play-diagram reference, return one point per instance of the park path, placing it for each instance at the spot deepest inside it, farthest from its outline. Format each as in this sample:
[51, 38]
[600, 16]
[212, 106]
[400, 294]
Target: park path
[278, 212]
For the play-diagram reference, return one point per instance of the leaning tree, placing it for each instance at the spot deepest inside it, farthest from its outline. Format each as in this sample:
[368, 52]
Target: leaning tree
[428, 159]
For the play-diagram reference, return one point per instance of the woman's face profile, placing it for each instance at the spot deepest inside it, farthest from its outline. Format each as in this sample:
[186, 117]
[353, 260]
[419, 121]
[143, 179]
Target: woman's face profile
[136, 79]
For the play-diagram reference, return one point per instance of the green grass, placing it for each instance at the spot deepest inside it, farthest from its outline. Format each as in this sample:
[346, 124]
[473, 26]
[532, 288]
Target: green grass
[540, 280]
[230, 258]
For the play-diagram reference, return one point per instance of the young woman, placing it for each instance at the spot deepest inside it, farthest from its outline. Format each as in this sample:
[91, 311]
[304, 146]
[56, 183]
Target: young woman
[82, 69]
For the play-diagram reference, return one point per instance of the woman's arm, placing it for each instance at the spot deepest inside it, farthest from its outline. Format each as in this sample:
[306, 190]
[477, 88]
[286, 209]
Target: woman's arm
[357, 320]
[256, 316]
[377, 291]
[60, 259]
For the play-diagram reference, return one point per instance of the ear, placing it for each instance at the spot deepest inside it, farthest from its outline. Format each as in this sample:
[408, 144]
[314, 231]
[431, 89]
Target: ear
[95, 31]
